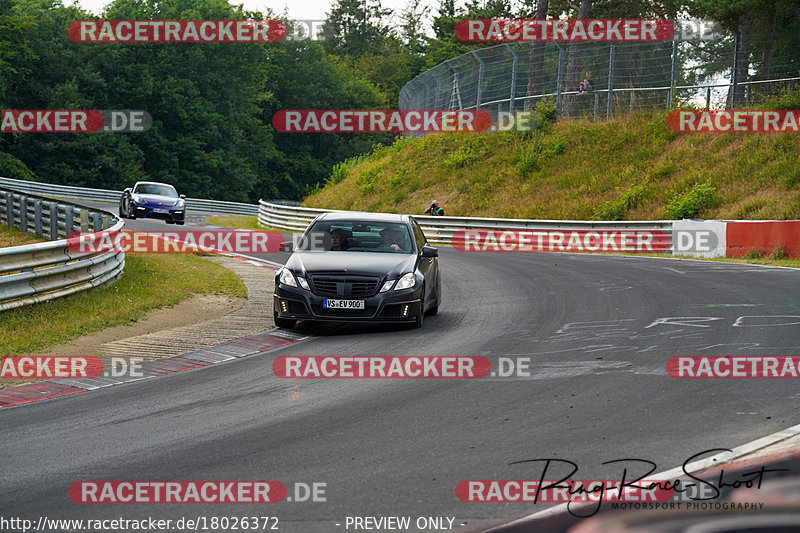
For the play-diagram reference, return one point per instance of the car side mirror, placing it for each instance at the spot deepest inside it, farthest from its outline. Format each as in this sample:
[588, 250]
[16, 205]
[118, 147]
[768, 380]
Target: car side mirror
[430, 251]
[127, 190]
[288, 246]
[183, 197]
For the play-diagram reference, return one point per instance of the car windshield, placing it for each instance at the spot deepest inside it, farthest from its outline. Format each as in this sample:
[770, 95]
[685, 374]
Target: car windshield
[156, 188]
[357, 236]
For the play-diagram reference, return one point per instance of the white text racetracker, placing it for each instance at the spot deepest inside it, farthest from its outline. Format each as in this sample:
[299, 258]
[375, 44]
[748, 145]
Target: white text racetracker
[400, 523]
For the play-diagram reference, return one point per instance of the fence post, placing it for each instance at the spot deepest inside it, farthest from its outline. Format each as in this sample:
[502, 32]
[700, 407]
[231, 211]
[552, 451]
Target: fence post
[708, 97]
[69, 217]
[479, 92]
[596, 100]
[560, 80]
[10, 209]
[53, 221]
[455, 94]
[23, 213]
[735, 68]
[673, 73]
[511, 104]
[37, 216]
[610, 80]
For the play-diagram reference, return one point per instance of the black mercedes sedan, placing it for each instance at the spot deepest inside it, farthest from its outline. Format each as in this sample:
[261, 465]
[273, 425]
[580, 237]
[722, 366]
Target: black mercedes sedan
[359, 267]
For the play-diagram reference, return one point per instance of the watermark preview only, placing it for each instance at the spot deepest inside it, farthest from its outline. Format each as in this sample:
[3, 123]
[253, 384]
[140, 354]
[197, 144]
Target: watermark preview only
[736, 120]
[580, 30]
[148, 242]
[176, 31]
[73, 121]
[380, 121]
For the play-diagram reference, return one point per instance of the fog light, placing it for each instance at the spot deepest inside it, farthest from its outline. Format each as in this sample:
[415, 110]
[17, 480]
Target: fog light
[405, 310]
[284, 306]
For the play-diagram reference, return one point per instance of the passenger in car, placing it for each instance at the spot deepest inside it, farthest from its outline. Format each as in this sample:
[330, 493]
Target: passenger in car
[339, 240]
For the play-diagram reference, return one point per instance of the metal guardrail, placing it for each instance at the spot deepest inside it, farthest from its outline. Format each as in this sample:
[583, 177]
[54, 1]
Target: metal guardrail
[107, 195]
[44, 271]
[440, 230]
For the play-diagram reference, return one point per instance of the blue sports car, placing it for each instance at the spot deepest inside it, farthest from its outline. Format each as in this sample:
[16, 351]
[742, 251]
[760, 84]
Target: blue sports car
[148, 199]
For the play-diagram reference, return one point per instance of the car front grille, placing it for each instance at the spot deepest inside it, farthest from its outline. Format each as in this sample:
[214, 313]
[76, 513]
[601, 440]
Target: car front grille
[344, 287]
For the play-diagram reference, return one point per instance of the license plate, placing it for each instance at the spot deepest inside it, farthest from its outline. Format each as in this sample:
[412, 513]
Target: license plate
[343, 304]
[160, 210]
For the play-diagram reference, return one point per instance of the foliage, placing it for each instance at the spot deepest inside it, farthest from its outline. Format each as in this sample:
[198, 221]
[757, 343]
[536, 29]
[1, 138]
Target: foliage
[691, 202]
[617, 208]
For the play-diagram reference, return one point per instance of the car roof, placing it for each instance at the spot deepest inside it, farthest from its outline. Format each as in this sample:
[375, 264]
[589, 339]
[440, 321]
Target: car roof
[363, 217]
[153, 183]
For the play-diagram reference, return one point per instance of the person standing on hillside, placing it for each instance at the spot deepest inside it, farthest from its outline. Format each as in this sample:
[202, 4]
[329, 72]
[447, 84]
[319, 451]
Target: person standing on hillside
[434, 210]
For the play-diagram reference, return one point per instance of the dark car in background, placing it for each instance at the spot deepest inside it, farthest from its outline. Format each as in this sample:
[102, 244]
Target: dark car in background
[359, 267]
[148, 199]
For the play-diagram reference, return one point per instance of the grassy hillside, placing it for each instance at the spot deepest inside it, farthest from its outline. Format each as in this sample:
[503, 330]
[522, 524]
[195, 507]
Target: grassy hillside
[633, 168]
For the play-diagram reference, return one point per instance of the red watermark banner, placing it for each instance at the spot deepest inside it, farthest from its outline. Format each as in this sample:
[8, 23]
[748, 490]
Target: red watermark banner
[50, 120]
[553, 491]
[172, 242]
[44, 367]
[380, 120]
[177, 492]
[561, 241]
[741, 120]
[379, 366]
[176, 31]
[728, 367]
[580, 30]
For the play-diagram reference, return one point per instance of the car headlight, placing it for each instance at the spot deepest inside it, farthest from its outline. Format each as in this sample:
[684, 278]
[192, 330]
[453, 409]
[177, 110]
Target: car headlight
[286, 277]
[406, 282]
[136, 198]
[179, 203]
[303, 283]
[387, 285]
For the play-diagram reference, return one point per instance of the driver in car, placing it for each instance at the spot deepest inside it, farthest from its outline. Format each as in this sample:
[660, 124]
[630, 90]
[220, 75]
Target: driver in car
[392, 238]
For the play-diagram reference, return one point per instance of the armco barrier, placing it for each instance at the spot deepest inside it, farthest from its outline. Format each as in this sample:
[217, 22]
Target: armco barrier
[440, 230]
[106, 195]
[763, 237]
[44, 271]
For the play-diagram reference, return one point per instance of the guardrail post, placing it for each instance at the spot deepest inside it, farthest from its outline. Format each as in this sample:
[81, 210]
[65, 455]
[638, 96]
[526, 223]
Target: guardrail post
[23, 213]
[610, 80]
[84, 218]
[37, 216]
[10, 209]
[97, 222]
[69, 216]
[53, 221]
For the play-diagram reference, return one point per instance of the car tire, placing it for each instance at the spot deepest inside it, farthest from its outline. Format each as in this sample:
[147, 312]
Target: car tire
[287, 323]
[169, 221]
[180, 223]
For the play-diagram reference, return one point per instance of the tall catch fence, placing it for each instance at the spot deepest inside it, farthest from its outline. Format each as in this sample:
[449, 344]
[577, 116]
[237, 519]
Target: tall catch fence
[627, 76]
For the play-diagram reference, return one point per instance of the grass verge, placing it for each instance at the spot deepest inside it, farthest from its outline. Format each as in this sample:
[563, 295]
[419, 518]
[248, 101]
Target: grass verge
[150, 281]
[235, 221]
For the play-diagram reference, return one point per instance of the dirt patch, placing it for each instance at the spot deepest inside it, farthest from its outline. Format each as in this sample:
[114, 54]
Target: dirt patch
[198, 308]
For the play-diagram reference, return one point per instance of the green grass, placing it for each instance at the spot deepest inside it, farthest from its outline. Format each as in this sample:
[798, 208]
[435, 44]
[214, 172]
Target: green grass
[235, 221]
[14, 237]
[150, 281]
[631, 168]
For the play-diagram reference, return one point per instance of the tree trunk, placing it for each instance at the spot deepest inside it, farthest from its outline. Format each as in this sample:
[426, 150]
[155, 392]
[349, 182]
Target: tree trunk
[536, 60]
[766, 63]
[741, 62]
[573, 76]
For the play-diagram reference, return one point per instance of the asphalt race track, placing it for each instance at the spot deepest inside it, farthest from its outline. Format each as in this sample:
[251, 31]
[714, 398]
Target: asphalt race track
[598, 331]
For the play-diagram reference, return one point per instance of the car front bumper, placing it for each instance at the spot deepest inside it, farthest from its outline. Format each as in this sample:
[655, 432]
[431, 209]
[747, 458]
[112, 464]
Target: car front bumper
[144, 211]
[300, 304]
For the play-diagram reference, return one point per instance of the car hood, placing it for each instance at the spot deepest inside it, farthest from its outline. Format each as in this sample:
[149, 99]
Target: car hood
[387, 265]
[157, 199]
